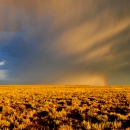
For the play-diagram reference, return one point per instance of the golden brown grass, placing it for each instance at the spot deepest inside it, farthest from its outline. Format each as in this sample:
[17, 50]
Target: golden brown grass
[47, 107]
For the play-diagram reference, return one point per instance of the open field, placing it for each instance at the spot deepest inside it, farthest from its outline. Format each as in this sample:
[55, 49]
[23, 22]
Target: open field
[44, 107]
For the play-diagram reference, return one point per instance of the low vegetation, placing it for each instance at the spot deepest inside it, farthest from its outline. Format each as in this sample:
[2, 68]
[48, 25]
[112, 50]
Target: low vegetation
[47, 107]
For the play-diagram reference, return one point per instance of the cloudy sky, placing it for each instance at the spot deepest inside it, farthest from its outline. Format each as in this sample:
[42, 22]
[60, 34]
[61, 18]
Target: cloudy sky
[65, 42]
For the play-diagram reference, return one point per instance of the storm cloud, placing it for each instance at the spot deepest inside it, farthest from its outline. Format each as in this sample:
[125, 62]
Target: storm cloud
[65, 42]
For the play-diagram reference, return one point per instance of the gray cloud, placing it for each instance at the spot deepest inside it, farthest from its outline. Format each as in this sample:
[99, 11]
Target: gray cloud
[65, 42]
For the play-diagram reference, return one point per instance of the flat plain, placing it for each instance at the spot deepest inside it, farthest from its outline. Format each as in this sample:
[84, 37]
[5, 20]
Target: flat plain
[64, 107]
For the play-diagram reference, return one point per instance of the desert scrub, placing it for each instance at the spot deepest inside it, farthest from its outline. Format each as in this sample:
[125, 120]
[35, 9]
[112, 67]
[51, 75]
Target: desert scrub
[64, 107]
[4, 123]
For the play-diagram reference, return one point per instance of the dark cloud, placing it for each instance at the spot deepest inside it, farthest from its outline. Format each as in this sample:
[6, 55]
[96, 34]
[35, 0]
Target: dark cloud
[65, 42]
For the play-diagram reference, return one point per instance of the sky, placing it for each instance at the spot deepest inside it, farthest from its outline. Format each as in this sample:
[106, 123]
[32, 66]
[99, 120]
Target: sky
[65, 42]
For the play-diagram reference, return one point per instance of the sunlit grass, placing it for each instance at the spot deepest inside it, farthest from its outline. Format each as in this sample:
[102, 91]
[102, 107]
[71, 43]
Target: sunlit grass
[46, 107]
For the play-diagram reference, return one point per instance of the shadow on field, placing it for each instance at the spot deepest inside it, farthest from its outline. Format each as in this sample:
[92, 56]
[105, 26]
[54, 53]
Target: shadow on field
[43, 122]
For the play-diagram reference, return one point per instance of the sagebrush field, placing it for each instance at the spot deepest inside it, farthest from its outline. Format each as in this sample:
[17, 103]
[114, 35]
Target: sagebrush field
[65, 107]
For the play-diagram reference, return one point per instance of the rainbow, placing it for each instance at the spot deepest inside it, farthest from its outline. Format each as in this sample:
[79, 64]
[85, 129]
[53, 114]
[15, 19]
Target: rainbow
[104, 82]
